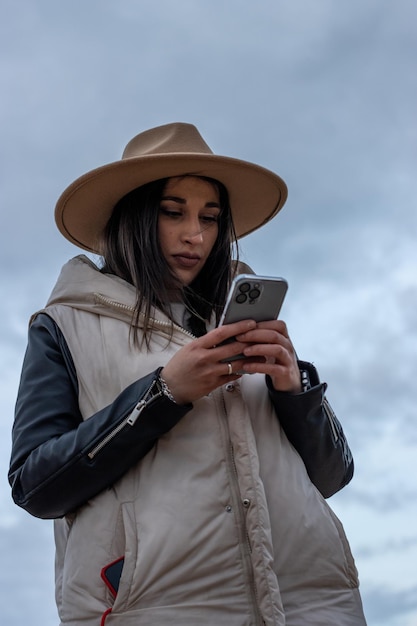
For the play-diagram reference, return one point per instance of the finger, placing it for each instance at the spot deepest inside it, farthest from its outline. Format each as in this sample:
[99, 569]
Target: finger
[214, 337]
[228, 351]
[278, 325]
[264, 335]
[233, 371]
[260, 336]
[283, 378]
[277, 352]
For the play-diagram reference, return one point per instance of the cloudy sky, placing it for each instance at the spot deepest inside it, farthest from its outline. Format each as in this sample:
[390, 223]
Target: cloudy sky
[324, 92]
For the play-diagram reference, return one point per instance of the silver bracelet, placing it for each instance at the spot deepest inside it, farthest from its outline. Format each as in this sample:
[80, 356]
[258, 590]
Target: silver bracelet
[165, 389]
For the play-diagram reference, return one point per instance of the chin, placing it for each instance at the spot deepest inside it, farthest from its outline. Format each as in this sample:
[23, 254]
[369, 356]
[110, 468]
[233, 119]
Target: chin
[186, 279]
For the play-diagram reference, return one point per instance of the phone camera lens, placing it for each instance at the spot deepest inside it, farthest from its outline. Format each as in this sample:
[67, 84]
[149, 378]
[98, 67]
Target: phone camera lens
[241, 298]
[254, 293]
[244, 287]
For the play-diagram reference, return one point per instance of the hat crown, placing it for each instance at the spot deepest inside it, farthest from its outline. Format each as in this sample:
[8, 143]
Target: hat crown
[173, 138]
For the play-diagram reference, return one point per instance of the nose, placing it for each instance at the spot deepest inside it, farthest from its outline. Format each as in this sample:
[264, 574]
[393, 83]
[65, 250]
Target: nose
[193, 232]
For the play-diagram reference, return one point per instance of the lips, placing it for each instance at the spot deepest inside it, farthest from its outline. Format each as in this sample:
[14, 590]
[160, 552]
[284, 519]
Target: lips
[186, 260]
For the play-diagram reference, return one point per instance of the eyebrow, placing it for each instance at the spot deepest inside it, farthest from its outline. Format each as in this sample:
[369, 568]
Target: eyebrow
[215, 205]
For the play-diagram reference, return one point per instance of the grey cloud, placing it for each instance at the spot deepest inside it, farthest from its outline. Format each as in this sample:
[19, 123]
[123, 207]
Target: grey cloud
[395, 497]
[384, 607]
[393, 545]
[26, 575]
[324, 94]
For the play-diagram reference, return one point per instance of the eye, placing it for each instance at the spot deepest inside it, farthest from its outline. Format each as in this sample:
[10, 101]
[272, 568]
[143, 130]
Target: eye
[210, 219]
[173, 213]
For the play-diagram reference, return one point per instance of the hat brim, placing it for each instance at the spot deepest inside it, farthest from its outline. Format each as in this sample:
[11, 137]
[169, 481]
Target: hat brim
[83, 210]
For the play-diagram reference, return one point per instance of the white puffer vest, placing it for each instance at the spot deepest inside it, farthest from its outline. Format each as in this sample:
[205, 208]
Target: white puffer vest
[219, 523]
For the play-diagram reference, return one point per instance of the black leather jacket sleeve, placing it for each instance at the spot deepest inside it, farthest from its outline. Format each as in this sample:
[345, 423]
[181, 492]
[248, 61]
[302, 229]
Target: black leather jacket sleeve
[313, 429]
[59, 461]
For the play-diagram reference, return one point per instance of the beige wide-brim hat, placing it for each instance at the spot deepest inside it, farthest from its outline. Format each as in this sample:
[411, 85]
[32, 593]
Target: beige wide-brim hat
[83, 210]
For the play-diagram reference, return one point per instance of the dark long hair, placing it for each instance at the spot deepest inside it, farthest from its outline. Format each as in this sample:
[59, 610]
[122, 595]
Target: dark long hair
[131, 250]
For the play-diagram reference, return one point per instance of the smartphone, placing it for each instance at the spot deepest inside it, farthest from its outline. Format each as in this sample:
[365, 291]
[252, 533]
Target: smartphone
[112, 573]
[253, 297]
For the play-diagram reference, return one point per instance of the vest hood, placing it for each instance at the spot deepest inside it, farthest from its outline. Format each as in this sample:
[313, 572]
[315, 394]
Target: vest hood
[82, 286]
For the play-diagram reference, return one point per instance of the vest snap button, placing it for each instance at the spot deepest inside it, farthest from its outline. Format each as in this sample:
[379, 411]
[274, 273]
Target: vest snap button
[230, 387]
[229, 508]
[246, 503]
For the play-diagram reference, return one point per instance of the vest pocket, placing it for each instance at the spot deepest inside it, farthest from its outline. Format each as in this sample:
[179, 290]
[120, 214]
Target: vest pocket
[120, 573]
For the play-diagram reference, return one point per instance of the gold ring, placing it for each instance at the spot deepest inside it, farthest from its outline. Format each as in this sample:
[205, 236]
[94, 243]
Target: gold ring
[230, 371]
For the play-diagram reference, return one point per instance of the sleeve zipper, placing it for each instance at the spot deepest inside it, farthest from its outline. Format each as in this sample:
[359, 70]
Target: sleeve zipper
[331, 417]
[129, 420]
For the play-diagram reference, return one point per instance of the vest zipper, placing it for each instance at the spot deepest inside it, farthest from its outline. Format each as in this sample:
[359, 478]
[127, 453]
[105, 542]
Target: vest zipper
[130, 309]
[242, 521]
[129, 420]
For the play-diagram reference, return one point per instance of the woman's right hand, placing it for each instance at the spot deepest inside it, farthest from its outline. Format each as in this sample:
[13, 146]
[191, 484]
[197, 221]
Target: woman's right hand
[203, 365]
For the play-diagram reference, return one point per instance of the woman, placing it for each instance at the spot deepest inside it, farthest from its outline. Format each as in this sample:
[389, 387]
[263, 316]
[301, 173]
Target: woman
[183, 492]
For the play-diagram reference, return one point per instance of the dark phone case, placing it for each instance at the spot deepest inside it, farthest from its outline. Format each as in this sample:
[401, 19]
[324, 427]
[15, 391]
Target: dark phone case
[111, 574]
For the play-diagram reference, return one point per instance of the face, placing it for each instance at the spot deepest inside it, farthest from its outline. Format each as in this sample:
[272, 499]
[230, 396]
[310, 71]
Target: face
[188, 225]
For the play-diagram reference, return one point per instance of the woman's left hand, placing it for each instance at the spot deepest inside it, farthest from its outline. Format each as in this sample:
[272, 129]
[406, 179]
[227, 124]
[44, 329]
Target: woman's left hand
[272, 346]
